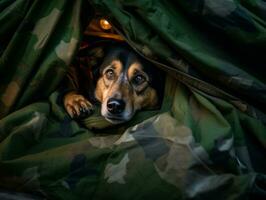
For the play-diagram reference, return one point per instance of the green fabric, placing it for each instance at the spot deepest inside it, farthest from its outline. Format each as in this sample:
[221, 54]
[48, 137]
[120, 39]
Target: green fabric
[40, 39]
[206, 142]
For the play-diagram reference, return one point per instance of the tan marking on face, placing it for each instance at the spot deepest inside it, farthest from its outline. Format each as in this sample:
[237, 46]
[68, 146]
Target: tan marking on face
[135, 67]
[103, 84]
[100, 89]
[148, 99]
[117, 66]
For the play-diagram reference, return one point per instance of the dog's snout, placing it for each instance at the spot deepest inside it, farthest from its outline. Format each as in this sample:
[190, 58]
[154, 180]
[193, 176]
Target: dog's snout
[115, 106]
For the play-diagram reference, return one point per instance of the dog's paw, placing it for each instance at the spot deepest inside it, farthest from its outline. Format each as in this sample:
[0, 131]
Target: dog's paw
[77, 106]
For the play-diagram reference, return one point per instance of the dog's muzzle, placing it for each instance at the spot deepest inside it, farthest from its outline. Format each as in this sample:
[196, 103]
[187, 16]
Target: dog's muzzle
[115, 106]
[116, 111]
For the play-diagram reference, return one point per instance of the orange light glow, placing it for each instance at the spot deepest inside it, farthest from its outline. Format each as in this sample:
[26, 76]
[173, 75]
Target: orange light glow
[105, 24]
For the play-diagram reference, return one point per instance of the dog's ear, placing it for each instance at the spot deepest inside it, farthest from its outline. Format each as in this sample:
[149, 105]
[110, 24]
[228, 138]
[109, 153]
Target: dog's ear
[96, 57]
[159, 83]
[157, 78]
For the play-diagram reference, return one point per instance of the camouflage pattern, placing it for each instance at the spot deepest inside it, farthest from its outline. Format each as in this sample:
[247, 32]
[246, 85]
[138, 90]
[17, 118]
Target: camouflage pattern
[40, 42]
[206, 142]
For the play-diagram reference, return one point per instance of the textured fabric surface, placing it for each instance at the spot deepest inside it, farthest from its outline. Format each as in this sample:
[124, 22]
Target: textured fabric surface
[206, 142]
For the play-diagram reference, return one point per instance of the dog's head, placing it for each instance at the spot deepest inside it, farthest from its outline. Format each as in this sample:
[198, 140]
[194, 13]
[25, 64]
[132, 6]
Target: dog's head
[125, 84]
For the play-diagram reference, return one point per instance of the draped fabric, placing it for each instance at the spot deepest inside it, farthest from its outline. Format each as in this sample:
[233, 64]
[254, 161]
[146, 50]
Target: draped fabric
[38, 41]
[206, 141]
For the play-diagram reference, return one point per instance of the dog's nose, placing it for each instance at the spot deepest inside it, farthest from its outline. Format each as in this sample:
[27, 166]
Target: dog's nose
[115, 106]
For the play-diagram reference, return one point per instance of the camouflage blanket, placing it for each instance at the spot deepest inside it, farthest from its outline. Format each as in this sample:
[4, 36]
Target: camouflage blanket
[198, 148]
[206, 142]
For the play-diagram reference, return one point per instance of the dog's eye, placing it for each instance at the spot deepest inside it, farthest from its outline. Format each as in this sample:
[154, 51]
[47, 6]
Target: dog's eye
[110, 74]
[139, 79]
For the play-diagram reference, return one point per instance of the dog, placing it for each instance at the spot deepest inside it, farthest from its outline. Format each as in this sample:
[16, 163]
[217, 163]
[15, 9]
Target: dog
[123, 84]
